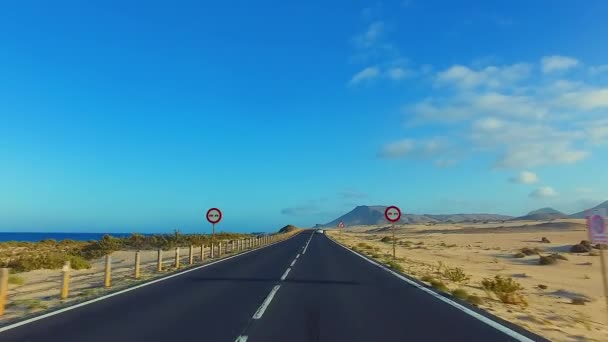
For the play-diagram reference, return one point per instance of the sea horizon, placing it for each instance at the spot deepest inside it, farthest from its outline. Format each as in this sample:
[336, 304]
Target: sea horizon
[58, 236]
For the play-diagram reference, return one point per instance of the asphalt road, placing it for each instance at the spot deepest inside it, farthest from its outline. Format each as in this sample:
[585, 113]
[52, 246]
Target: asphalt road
[328, 294]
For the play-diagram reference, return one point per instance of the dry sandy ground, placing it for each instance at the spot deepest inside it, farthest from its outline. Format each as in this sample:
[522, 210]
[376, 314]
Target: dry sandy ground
[485, 250]
[41, 288]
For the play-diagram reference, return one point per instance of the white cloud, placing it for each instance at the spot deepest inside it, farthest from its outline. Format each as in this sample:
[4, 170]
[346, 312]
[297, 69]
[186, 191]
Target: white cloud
[397, 73]
[543, 192]
[397, 149]
[445, 162]
[411, 148]
[538, 154]
[558, 63]
[488, 124]
[600, 69]
[371, 36]
[490, 76]
[520, 121]
[366, 74]
[588, 99]
[525, 177]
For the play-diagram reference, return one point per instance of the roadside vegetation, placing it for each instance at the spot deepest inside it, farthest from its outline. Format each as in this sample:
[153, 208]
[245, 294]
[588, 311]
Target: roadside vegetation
[51, 254]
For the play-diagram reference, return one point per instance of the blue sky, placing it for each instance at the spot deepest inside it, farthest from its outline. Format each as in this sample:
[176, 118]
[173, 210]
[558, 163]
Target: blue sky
[139, 117]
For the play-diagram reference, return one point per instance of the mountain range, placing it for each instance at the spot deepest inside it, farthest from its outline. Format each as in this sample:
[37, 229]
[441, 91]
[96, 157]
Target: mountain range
[372, 215]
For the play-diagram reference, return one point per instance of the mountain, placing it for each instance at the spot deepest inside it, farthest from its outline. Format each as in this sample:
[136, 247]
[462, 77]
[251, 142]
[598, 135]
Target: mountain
[584, 212]
[361, 215]
[542, 214]
[371, 215]
[288, 228]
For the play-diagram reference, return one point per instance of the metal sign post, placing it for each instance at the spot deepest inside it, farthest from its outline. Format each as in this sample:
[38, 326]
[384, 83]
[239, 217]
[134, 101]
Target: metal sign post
[393, 214]
[214, 215]
[598, 233]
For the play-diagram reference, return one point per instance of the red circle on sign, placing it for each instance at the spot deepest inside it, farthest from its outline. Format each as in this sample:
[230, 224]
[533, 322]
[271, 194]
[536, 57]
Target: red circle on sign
[341, 225]
[214, 218]
[391, 209]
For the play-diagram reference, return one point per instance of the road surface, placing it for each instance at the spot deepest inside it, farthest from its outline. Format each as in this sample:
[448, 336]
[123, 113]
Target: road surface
[307, 288]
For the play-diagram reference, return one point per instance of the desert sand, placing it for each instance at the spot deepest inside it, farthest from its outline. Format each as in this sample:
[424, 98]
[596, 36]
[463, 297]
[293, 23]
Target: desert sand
[486, 250]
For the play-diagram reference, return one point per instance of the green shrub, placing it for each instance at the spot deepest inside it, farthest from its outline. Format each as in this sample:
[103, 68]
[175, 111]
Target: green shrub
[52, 260]
[439, 285]
[456, 275]
[78, 263]
[579, 301]
[475, 300]
[559, 257]
[364, 245]
[506, 290]
[460, 294]
[547, 260]
[16, 280]
[551, 259]
[428, 278]
[387, 239]
[542, 287]
[530, 251]
[519, 255]
[394, 265]
[31, 304]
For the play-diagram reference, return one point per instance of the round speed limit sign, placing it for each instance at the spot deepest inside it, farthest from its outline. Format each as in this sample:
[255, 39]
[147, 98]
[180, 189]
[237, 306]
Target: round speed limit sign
[214, 215]
[392, 214]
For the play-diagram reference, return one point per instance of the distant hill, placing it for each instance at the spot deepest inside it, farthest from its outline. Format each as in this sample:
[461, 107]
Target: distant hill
[288, 228]
[361, 215]
[581, 215]
[542, 214]
[372, 215]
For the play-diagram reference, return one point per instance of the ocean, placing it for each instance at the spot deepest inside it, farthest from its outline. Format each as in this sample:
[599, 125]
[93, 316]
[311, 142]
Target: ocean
[33, 237]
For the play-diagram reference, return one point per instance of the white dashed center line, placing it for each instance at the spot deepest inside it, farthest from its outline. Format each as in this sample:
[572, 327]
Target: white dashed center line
[258, 314]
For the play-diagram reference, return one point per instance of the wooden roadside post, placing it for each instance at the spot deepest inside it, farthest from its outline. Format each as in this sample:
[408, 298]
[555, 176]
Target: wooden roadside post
[108, 276]
[176, 257]
[65, 283]
[202, 252]
[137, 260]
[191, 256]
[3, 289]
[219, 249]
[159, 261]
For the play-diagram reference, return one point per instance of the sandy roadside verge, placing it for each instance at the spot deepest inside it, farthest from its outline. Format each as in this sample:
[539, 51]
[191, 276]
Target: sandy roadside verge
[40, 289]
[484, 251]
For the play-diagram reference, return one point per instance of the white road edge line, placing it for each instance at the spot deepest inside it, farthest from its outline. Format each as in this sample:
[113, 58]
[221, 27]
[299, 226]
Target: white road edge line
[297, 256]
[510, 332]
[241, 339]
[293, 262]
[285, 274]
[57, 312]
[258, 314]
